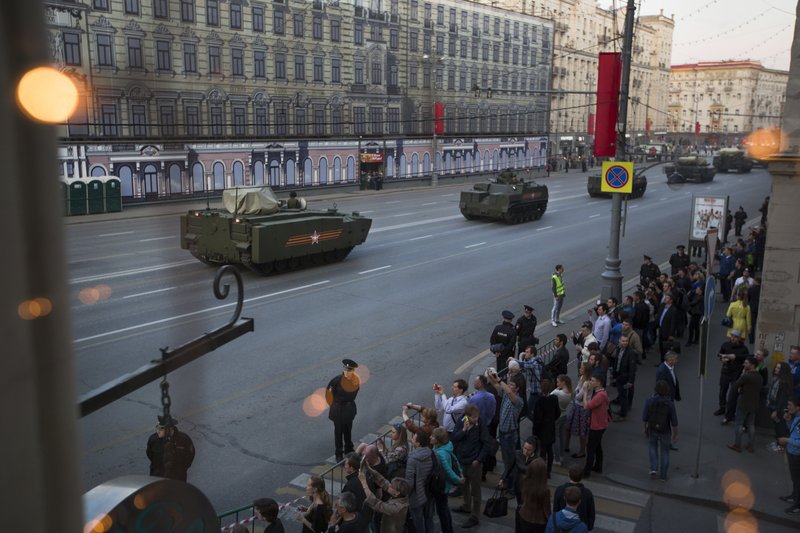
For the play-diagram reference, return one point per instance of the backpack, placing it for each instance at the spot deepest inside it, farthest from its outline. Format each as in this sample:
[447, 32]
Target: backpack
[658, 416]
[436, 482]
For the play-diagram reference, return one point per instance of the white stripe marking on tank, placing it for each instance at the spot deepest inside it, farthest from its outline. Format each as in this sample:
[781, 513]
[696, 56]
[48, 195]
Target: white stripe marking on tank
[375, 269]
[148, 292]
[476, 244]
[115, 234]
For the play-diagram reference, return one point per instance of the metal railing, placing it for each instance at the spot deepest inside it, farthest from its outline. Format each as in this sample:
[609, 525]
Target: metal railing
[334, 476]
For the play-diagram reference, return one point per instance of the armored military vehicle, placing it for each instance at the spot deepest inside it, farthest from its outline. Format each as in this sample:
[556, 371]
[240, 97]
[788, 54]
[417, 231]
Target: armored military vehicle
[506, 198]
[732, 159]
[692, 167]
[639, 185]
[258, 231]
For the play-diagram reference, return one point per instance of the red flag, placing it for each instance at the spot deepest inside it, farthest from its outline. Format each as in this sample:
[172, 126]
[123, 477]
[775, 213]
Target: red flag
[438, 118]
[609, 74]
[697, 128]
[647, 126]
[590, 130]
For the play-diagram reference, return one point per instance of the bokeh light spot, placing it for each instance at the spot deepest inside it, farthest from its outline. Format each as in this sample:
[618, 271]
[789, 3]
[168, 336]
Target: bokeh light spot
[104, 292]
[351, 382]
[740, 521]
[734, 476]
[31, 309]
[738, 494]
[101, 524]
[89, 295]
[45, 305]
[761, 144]
[139, 501]
[363, 373]
[315, 403]
[47, 95]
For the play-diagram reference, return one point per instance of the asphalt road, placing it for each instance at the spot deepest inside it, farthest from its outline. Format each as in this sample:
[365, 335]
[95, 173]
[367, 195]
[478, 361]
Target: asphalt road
[414, 303]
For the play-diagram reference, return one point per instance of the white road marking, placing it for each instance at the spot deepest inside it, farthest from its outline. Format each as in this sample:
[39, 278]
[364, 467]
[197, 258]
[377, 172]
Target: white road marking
[368, 211]
[476, 244]
[157, 238]
[544, 228]
[420, 238]
[115, 234]
[148, 292]
[375, 269]
[471, 362]
[632, 206]
[131, 272]
[663, 198]
[417, 223]
[451, 194]
[428, 203]
[595, 215]
[193, 313]
[393, 202]
[404, 214]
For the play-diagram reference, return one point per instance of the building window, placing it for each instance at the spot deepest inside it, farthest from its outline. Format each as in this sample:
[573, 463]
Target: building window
[440, 15]
[358, 33]
[105, 50]
[109, 117]
[412, 41]
[281, 124]
[318, 69]
[189, 57]
[259, 64]
[426, 12]
[139, 120]
[426, 78]
[394, 39]
[236, 15]
[261, 121]
[463, 49]
[258, 18]
[298, 25]
[131, 7]
[414, 10]
[336, 71]
[335, 31]
[358, 72]
[376, 73]
[412, 77]
[426, 43]
[192, 120]
[439, 45]
[393, 76]
[163, 55]
[376, 120]
[239, 121]
[319, 121]
[336, 120]
[135, 53]
[237, 62]
[277, 22]
[214, 60]
[496, 53]
[462, 81]
[280, 67]
[212, 12]
[316, 28]
[166, 119]
[394, 120]
[217, 120]
[187, 10]
[161, 9]
[101, 5]
[300, 121]
[72, 48]
[299, 67]
[359, 120]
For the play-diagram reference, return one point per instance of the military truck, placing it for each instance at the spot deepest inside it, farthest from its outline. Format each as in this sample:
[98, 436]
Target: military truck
[593, 183]
[257, 230]
[506, 198]
[732, 159]
[692, 167]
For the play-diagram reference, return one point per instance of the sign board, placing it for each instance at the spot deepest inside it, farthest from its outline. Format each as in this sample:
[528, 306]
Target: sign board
[617, 176]
[708, 212]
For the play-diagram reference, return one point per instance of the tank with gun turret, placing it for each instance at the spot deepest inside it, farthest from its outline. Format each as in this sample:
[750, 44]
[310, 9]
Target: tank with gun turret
[732, 159]
[505, 197]
[692, 167]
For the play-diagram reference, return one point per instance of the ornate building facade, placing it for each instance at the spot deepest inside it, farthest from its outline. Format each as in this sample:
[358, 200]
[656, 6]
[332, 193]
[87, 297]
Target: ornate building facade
[721, 102]
[186, 96]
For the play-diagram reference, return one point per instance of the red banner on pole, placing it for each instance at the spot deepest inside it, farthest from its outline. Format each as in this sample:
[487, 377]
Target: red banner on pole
[697, 128]
[647, 127]
[609, 75]
[438, 118]
[590, 129]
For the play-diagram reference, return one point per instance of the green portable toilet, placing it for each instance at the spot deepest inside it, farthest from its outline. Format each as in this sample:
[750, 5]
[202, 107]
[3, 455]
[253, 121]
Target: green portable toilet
[77, 198]
[65, 197]
[94, 194]
[113, 195]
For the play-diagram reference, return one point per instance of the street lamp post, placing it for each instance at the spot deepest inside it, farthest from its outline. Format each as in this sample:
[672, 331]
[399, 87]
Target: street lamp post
[435, 139]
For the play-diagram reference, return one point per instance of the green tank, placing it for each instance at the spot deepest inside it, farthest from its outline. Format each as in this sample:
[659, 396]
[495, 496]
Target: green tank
[505, 198]
[258, 231]
[732, 159]
[639, 186]
[693, 167]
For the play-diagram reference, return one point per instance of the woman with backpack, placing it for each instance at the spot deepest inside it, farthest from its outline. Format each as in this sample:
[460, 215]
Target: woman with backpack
[661, 427]
[453, 476]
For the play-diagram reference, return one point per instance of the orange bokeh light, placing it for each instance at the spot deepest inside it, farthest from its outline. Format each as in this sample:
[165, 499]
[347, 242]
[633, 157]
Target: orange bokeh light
[734, 476]
[38, 307]
[47, 95]
[740, 521]
[92, 295]
[363, 373]
[100, 524]
[315, 403]
[761, 144]
[738, 494]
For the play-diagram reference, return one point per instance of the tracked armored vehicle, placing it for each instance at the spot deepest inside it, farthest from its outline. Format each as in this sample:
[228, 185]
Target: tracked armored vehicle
[258, 231]
[732, 159]
[639, 185]
[505, 198]
[693, 168]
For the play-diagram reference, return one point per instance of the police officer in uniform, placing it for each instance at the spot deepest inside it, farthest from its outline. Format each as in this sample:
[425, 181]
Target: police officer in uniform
[503, 340]
[171, 452]
[341, 397]
[648, 272]
[526, 329]
[678, 260]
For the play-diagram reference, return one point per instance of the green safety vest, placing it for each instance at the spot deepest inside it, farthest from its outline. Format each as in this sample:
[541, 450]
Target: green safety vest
[559, 285]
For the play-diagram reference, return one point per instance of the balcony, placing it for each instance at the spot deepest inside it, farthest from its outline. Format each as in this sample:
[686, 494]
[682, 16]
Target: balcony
[453, 27]
[375, 15]
[358, 88]
[393, 90]
[317, 5]
[428, 24]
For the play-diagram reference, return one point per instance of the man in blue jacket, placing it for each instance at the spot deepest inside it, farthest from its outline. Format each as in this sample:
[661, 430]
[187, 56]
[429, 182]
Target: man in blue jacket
[792, 445]
[727, 261]
[567, 519]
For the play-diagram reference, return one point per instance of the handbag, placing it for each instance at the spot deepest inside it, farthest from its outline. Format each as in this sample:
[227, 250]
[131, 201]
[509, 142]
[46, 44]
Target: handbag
[497, 505]
[727, 322]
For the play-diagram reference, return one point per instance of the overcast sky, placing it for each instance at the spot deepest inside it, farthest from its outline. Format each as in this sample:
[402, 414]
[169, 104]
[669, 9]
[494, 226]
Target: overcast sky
[708, 30]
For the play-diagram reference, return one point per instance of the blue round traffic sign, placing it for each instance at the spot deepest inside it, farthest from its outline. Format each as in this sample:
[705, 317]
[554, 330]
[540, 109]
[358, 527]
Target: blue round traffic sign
[617, 177]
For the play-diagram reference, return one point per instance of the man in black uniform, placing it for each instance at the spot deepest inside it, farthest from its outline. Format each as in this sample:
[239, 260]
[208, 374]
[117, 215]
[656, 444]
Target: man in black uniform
[526, 329]
[648, 272]
[171, 452]
[732, 353]
[503, 340]
[679, 260]
[341, 397]
[739, 218]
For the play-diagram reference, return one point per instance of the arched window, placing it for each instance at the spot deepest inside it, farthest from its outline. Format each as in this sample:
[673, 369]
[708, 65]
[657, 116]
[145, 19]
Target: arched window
[258, 173]
[98, 171]
[238, 174]
[175, 186]
[290, 172]
[486, 165]
[390, 166]
[150, 177]
[402, 172]
[308, 171]
[468, 162]
[274, 173]
[448, 161]
[351, 168]
[426, 163]
[126, 180]
[495, 160]
[198, 178]
[219, 176]
[337, 169]
[324, 177]
[503, 160]
[438, 162]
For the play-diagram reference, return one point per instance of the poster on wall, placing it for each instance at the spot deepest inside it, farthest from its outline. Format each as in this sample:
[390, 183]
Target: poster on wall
[708, 212]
